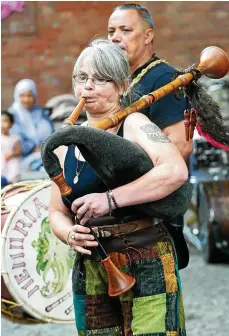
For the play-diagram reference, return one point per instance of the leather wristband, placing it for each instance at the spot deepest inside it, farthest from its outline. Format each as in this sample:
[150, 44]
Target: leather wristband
[113, 199]
[109, 202]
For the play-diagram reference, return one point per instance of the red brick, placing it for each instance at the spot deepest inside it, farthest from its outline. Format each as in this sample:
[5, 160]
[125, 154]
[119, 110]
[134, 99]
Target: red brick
[51, 34]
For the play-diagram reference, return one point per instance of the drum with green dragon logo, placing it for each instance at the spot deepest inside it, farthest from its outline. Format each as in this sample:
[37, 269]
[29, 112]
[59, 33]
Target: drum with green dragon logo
[36, 266]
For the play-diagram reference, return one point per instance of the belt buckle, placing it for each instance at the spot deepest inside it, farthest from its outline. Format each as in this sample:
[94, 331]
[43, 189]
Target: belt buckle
[103, 233]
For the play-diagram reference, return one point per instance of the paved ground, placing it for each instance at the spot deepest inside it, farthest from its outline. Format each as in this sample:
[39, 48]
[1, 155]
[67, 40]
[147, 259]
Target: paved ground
[206, 298]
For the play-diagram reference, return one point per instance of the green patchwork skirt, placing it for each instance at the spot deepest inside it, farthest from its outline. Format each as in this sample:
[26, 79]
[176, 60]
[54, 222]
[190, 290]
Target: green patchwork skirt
[153, 307]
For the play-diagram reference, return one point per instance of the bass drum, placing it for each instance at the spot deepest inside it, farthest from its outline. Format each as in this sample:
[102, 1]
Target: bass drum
[36, 266]
[213, 220]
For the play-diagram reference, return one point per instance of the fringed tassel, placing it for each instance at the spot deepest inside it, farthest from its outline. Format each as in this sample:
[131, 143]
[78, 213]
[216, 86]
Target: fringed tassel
[208, 138]
[210, 121]
[209, 118]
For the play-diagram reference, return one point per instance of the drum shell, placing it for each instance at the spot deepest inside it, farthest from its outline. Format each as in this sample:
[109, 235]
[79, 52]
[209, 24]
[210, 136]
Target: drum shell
[27, 300]
[216, 194]
[10, 192]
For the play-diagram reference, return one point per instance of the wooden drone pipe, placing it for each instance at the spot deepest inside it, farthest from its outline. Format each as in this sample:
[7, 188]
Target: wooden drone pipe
[71, 120]
[214, 63]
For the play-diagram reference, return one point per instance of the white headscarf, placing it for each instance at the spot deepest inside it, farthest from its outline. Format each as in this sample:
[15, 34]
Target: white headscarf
[23, 86]
[24, 115]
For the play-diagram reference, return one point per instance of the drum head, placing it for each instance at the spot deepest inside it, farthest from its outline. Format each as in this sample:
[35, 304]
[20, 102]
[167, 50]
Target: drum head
[36, 266]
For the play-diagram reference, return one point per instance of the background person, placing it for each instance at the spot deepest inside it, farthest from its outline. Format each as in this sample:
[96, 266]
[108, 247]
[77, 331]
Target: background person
[32, 125]
[10, 151]
[132, 28]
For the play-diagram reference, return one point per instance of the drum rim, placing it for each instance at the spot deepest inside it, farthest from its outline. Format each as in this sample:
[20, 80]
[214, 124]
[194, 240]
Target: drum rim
[15, 295]
[24, 183]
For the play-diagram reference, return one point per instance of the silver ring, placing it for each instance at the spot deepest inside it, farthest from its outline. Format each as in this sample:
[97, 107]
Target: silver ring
[95, 216]
[73, 236]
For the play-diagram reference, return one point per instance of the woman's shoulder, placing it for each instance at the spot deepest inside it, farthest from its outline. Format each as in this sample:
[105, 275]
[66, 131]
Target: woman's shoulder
[132, 125]
[135, 118]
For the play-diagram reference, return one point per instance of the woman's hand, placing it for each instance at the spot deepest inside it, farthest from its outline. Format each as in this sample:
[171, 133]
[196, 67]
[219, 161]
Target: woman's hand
[79, 238]
[91, 205]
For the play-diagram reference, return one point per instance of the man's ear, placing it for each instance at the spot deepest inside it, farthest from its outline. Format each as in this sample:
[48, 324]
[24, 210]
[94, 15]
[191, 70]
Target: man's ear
[149, 35]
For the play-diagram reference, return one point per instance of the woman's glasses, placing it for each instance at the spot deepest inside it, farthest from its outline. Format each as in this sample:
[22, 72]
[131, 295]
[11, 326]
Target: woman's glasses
[82, 78]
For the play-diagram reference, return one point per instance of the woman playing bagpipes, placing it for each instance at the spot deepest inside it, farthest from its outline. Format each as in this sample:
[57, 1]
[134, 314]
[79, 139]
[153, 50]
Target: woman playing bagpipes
[139, 244]
[122, 181]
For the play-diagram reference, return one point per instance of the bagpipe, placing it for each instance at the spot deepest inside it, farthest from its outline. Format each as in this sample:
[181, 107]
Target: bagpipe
[118, 161]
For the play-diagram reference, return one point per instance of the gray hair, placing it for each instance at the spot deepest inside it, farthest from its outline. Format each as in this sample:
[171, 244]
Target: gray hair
[108, 61]
[142, 11]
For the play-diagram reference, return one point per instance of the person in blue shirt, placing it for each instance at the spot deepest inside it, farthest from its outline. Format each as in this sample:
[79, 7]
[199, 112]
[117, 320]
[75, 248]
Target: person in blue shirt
[132, 28]
[32, 125]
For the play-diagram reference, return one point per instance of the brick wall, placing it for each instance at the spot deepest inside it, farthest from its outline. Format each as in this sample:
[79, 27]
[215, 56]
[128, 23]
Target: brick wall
[42, 42]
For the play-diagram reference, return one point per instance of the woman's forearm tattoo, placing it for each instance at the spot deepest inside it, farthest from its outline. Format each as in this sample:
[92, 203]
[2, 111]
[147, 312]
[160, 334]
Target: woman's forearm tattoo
[154, 133]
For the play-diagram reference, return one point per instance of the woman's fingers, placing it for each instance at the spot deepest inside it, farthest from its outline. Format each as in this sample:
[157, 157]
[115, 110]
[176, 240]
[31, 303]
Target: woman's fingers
[80, 238]
[87, 243]
[79, 228]
[80, 234]
[82, 211]
[77, 204]
[86, 217]
[82, 250]
[79, 245]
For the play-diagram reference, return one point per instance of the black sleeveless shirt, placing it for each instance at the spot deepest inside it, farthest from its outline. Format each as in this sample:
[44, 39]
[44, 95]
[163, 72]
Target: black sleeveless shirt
[88, 181]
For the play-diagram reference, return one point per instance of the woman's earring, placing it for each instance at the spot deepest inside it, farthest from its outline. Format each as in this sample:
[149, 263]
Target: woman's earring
[121, 100]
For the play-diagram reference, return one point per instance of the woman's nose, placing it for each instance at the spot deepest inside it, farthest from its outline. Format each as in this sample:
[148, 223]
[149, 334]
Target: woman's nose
[89, 85]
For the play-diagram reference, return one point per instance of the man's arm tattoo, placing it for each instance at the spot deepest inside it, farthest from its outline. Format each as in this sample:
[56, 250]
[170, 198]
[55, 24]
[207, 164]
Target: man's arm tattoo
[154, 133]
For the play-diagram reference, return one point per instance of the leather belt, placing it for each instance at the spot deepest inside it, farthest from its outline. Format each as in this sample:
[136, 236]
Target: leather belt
[125, 228]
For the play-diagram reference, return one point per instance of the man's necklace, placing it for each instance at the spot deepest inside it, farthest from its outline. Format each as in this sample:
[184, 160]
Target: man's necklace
[142, 73]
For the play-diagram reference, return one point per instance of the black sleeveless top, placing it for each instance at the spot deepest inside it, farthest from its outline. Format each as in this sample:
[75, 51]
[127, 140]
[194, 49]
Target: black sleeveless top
[88, 181]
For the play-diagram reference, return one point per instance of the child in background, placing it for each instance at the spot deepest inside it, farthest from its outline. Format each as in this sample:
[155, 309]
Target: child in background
[10, 151]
